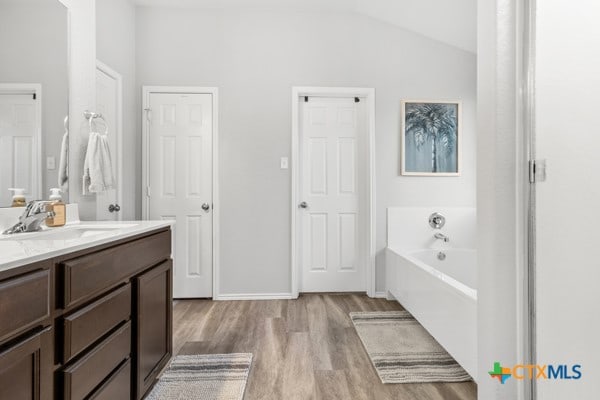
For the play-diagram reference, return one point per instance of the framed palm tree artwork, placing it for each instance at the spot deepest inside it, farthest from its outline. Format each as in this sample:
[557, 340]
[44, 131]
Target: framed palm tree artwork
[431, 138]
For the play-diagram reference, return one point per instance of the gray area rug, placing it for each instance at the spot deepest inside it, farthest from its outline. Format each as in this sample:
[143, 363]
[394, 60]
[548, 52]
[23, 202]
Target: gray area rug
[205, 377]
[402, 351]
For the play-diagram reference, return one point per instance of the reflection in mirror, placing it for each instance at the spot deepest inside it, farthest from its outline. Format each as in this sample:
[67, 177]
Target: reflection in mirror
[116, 100]
[33, 98]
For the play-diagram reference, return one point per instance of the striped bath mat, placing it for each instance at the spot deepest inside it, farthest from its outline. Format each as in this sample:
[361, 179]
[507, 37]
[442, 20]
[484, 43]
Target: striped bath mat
[402, 351]
[205, 377]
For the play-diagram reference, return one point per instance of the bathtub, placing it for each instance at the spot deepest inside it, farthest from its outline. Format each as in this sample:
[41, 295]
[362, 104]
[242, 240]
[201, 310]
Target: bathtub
[441, 295]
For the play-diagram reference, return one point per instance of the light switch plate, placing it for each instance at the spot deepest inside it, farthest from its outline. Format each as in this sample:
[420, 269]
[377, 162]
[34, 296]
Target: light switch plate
[50, 163]
[284, 163]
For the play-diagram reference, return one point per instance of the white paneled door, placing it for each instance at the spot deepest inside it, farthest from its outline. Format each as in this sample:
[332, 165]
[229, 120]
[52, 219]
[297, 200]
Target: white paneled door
[180, 184]
[109, 104]
[19, 157]
[333, 134]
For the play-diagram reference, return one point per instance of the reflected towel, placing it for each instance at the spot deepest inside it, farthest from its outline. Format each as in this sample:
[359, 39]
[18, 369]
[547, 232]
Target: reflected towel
[97, 168]
[63, 165]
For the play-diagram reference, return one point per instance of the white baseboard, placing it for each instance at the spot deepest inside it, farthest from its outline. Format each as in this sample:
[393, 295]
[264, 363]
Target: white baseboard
[254, 296]
[380, 295]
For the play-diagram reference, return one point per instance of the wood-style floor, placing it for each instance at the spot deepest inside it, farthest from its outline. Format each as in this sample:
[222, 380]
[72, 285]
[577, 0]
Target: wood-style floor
[303, 349]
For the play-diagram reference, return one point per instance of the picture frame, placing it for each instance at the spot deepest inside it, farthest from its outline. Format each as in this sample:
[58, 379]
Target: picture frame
[431, 138]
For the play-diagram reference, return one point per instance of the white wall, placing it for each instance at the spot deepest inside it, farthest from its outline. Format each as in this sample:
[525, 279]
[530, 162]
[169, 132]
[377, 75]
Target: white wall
[500, 212]
[115, 47]
[33, 49]
[567, 85]
[255, 57]
[452, 22]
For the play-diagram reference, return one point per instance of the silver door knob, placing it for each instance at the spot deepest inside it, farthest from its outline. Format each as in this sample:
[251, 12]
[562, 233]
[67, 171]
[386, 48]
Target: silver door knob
[205, 206]
[114, 208]
[303, 205]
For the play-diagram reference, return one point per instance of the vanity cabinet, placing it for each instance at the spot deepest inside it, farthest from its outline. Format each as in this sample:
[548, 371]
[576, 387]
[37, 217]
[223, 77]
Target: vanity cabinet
[26, 334]
[154, 324]
[93, 324]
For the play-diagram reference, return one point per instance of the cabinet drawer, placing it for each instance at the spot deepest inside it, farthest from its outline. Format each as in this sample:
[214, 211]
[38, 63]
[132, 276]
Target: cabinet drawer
[88, 372]
[89, 324]
[86, 276]
[118, 386]
[25, 302]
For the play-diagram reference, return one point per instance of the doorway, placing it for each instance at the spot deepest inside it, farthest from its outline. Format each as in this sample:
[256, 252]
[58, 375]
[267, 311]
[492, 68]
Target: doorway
[333, 190]
[180, 175]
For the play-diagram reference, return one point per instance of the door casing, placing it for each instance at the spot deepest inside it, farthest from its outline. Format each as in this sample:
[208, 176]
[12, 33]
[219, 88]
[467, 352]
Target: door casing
[146, 91]
[368, 94]
[118, 130]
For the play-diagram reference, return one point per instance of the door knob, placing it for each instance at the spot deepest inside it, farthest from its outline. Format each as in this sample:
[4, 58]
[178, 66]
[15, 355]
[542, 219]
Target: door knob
[114, 208]
[205, 207]
[303, 205]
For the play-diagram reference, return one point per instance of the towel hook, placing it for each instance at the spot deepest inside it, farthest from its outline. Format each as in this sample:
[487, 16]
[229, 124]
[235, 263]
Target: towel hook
[91, 116]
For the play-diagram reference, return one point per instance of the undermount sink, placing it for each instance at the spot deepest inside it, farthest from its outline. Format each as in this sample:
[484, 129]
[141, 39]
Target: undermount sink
[68, 232]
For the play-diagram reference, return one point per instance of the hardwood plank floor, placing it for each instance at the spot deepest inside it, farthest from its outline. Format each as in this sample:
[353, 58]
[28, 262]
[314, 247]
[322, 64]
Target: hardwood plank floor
[303, 349]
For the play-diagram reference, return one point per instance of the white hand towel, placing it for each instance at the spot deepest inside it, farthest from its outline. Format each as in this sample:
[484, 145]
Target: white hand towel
[97, 169]
[63, 165]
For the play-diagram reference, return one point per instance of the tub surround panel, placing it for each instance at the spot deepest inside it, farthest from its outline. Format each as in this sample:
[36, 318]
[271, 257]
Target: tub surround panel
[440, 294]
[408, 227]
[458, 268]
[446, 309]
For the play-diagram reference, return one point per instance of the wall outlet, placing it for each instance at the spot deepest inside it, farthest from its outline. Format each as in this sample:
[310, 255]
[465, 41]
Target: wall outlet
[284, 163]
[50, 163]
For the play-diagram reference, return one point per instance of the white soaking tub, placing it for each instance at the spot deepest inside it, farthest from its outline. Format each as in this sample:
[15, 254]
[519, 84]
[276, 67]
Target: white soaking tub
[441, 295]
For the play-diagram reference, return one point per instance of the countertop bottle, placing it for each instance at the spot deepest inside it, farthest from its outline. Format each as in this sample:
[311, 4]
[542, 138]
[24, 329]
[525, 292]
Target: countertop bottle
[18, 199]
[58, 207]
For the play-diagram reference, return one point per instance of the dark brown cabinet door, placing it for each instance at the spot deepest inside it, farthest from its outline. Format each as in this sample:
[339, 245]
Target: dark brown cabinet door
[153, 324]
[25, 368]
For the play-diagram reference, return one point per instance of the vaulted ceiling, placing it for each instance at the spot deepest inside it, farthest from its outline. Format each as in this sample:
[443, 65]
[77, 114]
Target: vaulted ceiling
[453, 22]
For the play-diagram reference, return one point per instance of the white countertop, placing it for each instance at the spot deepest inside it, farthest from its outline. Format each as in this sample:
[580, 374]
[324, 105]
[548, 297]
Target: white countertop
[26, 248]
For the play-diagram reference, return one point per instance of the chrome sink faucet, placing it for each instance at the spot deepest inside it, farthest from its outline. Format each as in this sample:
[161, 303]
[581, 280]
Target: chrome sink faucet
[441, 236]
[31, 220]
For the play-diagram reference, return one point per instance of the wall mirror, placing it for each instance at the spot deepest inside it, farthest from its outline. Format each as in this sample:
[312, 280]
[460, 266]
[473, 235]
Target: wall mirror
[34, 99]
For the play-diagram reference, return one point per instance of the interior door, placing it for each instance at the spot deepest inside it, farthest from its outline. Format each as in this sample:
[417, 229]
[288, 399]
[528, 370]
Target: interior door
[332, 194]
[18, 146]
[567, 202]
[180, 184]
[108, 103]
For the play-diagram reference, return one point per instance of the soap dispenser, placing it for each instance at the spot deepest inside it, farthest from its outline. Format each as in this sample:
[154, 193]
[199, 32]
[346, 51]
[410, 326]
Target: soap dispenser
[58, 207]
[18, 199]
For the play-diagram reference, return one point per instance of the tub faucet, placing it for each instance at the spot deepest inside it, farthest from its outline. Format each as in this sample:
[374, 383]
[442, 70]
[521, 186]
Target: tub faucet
[441, 236]
[31, 220]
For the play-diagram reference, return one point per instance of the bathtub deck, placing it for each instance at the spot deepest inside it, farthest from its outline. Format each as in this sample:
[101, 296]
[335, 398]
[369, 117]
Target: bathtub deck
[303, 349]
